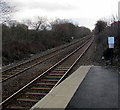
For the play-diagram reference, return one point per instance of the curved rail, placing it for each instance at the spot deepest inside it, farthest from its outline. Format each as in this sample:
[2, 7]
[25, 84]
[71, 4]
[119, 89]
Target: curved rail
[34, 64]
[72, 66]
[51, 68]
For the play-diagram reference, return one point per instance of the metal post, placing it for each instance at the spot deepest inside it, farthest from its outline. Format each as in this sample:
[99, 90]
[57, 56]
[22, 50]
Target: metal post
[111, 56]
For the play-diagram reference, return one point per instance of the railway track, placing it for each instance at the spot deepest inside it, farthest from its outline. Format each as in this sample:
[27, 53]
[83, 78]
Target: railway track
[16, 70]
[35, 90]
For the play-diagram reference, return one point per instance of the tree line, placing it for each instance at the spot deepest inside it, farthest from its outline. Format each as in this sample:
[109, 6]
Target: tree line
[102, 32]
[20, 40]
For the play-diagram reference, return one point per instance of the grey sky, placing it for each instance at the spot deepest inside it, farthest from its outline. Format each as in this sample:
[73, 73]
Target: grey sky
[119, 11]
[83, 12]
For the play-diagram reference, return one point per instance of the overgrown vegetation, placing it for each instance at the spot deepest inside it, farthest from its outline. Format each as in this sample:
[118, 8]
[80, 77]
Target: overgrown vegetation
[20, 40]
[103, 31]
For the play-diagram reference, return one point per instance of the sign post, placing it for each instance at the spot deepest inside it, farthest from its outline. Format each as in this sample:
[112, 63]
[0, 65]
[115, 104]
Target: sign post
[111, 41]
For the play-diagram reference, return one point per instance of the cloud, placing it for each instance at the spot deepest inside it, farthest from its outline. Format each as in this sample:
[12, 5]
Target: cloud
[43, 5]
[84, 12]
[87, 22]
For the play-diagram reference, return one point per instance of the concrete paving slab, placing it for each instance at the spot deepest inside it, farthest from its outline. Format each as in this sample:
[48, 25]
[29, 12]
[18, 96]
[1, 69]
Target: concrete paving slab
[98, 90]
[60, 96]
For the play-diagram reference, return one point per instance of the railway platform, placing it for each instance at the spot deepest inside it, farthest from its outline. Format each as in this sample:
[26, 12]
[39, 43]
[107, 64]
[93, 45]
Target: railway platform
[87, 87]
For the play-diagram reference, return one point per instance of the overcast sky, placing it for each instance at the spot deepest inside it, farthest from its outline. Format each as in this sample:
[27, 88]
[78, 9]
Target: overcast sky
[82, 12]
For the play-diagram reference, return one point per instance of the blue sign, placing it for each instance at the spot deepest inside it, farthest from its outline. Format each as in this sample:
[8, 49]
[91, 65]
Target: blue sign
[111, 40]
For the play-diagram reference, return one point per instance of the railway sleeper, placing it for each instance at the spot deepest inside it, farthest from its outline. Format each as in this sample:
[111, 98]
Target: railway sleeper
[48, 84]
[55, 74]
[17, 107]
[53, 77]
[59, 70]
[49, 80]
[32, 95]
[35, 93]
[60, 66]
[41, 88]
[27, 100]
[62, 72]
[39, 91]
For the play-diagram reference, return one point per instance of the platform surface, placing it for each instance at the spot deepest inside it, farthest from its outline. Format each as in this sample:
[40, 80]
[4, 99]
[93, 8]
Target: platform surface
[88, 87]
[98, 90]
[60, 96]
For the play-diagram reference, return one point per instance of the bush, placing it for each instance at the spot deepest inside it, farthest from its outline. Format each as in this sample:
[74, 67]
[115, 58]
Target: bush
[19, 41]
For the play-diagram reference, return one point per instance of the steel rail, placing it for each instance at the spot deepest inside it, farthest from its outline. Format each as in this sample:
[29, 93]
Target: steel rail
[72, 66]
[39, 56]
[11, 76]
[13, 95]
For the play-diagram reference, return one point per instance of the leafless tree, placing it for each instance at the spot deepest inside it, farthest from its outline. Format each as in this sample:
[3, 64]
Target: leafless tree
[40, 23]
[5, 10]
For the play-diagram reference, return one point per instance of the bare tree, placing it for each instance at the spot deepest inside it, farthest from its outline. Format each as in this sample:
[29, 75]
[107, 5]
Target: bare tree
[5, 10]
[40, 23]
